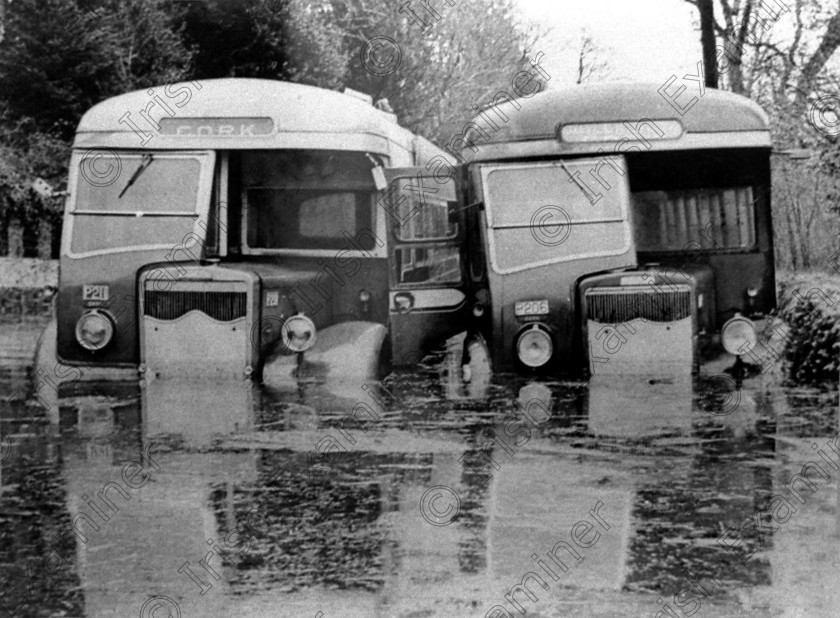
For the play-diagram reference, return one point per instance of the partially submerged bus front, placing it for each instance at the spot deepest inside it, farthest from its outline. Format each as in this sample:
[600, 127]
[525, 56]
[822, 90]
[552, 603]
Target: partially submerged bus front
[619, 232]
[220, 227]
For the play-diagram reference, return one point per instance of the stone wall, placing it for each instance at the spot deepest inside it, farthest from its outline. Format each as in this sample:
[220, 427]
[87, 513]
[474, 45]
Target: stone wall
[27, 286]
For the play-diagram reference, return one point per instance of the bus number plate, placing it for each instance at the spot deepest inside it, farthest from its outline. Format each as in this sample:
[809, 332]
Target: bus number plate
[531, 307]
[95, 293]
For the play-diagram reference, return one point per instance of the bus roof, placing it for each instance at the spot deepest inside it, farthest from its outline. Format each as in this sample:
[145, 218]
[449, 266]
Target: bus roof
[238, 113]
[593, 118]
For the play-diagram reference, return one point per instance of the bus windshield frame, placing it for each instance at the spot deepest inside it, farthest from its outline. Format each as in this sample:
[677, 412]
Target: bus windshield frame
[108, 171]
[563, 210]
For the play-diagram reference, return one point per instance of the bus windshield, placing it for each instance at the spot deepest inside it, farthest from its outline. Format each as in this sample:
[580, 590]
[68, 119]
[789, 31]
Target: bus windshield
[158, 208]
[546, 212]
[307, 200]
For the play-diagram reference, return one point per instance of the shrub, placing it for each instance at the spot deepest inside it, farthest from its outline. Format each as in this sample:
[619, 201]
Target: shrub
[810, 307]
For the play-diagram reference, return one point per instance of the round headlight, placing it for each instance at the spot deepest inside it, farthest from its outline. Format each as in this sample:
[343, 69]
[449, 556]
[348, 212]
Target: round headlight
[534, 347]
[94, 330]
[738, 335]
[298, 333]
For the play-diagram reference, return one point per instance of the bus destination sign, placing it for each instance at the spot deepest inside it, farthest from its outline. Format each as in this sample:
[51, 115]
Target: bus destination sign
[216, 127]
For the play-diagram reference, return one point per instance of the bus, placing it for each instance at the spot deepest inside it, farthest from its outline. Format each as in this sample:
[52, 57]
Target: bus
[252, 228]
[611, 231]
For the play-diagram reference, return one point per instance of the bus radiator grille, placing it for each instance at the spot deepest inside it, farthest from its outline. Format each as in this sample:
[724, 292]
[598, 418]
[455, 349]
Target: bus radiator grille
[170, 305]
[622, 304]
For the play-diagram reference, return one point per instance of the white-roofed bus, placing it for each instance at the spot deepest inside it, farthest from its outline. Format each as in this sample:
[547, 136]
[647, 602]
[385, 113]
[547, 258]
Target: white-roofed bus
[239, 227]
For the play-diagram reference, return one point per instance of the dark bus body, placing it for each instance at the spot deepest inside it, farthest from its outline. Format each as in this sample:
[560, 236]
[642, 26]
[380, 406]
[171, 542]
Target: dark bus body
[280, 230]
[610, 234]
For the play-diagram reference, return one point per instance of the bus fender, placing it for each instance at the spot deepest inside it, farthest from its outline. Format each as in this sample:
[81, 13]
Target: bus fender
[45, 350]
[44, 378]
[349, 350]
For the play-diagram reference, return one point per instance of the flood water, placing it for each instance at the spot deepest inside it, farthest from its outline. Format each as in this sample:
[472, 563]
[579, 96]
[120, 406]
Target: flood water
[555, 498]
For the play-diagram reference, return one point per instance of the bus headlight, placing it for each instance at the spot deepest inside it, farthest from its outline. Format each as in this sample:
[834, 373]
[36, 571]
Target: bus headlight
[738, 335]
[94, 330]
[533, 346]
[298, 333]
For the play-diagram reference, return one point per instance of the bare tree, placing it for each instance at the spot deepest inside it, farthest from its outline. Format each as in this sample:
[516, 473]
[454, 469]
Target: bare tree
[448, 62]
[707, 39]
[744, 30]
[733, 34]
[590, 62]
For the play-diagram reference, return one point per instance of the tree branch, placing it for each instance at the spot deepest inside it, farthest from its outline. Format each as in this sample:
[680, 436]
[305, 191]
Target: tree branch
[828, 45]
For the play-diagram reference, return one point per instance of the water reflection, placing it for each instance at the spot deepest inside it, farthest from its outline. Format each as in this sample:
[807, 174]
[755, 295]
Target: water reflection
[636, 407]
[140, 513]
[243, 512]
[38, 570]
[681, 510]
[197, 409]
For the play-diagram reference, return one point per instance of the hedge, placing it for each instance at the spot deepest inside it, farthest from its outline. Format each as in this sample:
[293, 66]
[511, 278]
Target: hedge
[809, 305]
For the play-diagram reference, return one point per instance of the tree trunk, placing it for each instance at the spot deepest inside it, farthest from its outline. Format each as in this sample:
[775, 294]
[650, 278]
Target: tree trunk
[735, 45]
[707, 40]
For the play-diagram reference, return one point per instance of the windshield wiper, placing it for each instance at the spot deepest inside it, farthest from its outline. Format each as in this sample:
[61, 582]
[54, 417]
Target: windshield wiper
[146, 162]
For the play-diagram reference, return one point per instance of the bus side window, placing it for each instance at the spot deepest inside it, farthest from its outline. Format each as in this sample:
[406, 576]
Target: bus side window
[711, 218]
[428, 247]
[428, 265]
[420, 211]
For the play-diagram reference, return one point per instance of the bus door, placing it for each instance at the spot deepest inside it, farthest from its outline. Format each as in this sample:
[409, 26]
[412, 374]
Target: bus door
[428, 302]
